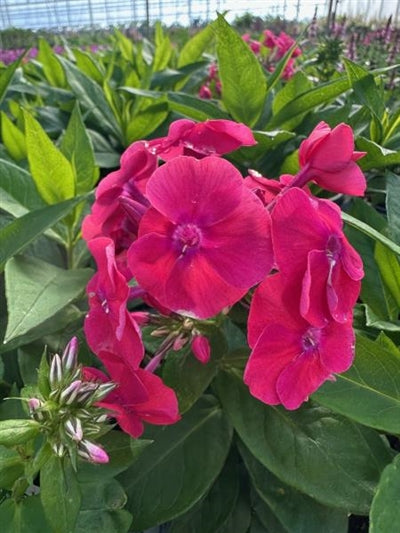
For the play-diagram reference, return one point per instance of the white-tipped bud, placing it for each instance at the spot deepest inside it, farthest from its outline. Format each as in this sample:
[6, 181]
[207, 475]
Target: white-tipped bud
[69, 357]
[70, 393]
[58, 449]
[103, 391]
[73, 429]
[92, 452]
[56, 374]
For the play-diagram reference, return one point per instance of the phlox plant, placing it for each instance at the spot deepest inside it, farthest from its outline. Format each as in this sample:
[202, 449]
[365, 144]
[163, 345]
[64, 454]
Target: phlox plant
[200, 300]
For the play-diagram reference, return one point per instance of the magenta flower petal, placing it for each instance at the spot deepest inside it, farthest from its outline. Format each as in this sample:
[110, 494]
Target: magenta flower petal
[342, 294]
[302, 376]
[275, 349]
[313, 304]
[241, 240]
[180, 191]
[195, 289]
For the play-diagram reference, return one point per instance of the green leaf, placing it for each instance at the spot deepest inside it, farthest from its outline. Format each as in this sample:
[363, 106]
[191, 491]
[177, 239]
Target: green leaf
[298, 84]
[187, 376]
[101, 508]
[18, 234]
[122, 450]
[266, 140]
[194, 107]
[308, 100]
[92, 98]
[179, 467]
[37, 290]
[51, 171]
[7, 76]
[13, 138]
[193, 49]
[393, 205]
[18, 193]
[88, 65]
[11, 467]
[385, 510]
[304, 446]
[25, 516]
[77, 148]
[51, 67]
[243, 81]
[13, 432]
[296, 512]
[365, 88]
[125, 45]
[389, 269]
[377, 156]
[371, 232]
[149, 118]
[370, 391]
[214, 511]
[60, 494]
[163, 50]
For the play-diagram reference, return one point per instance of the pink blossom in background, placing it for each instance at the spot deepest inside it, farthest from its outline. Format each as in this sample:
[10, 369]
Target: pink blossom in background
[201, 139]
[291, 358]
[327, 157]
[310, 247]
[254, 45]
[205, 239]
[111, 331]
[284, 42]
[270, 39]
[140, 397]
[205, 92]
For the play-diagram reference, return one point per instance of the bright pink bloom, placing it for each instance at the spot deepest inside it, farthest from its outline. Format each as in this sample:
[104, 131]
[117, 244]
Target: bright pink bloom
[328, 158]
[200, 139]
[140, 397]
[270, 39]
[201, 348]
[254, 45]
[310, 246]
[289, 70]
[111, 332]
[291, 358]
[284, 42]
[205, 239]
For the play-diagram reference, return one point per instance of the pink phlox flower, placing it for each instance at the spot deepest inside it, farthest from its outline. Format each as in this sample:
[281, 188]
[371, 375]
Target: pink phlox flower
[309, 245]
[111, 331]
[254, 45]
[204, 241]
[139, 397]
[284, 42]
[201, 139]
[327, 157]
[289, 70]
[110, 216]
[270, 39]
[291, 358]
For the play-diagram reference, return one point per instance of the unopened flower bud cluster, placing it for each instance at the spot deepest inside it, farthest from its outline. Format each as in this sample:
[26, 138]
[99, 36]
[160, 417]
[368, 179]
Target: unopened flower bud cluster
[68, 413]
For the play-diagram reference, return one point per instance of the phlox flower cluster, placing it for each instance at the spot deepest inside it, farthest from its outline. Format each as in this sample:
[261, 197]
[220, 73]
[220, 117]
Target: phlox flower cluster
[178, 228]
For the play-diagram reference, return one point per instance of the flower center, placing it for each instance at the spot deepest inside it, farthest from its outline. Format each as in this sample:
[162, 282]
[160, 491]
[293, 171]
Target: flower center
[186, 237]
[310, 339]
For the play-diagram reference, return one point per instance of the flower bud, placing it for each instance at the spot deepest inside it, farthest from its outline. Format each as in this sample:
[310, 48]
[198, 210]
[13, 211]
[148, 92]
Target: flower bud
[70, 393]
[69, 357]
[201, 348]
[92, 452]
[102, 391]
[73, 429]
[55, 376]
[58, 448]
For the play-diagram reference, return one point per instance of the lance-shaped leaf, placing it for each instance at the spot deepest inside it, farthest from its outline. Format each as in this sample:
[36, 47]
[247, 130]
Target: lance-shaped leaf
[18, 193]
[25, 516]
[370, 391]
[385, 509]
[13, 138]
[243, 81]
[7, 75]
[179, 467]
[18, 234]
[37, 290]
[77, 147]
[51, 171]
[304, 446]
